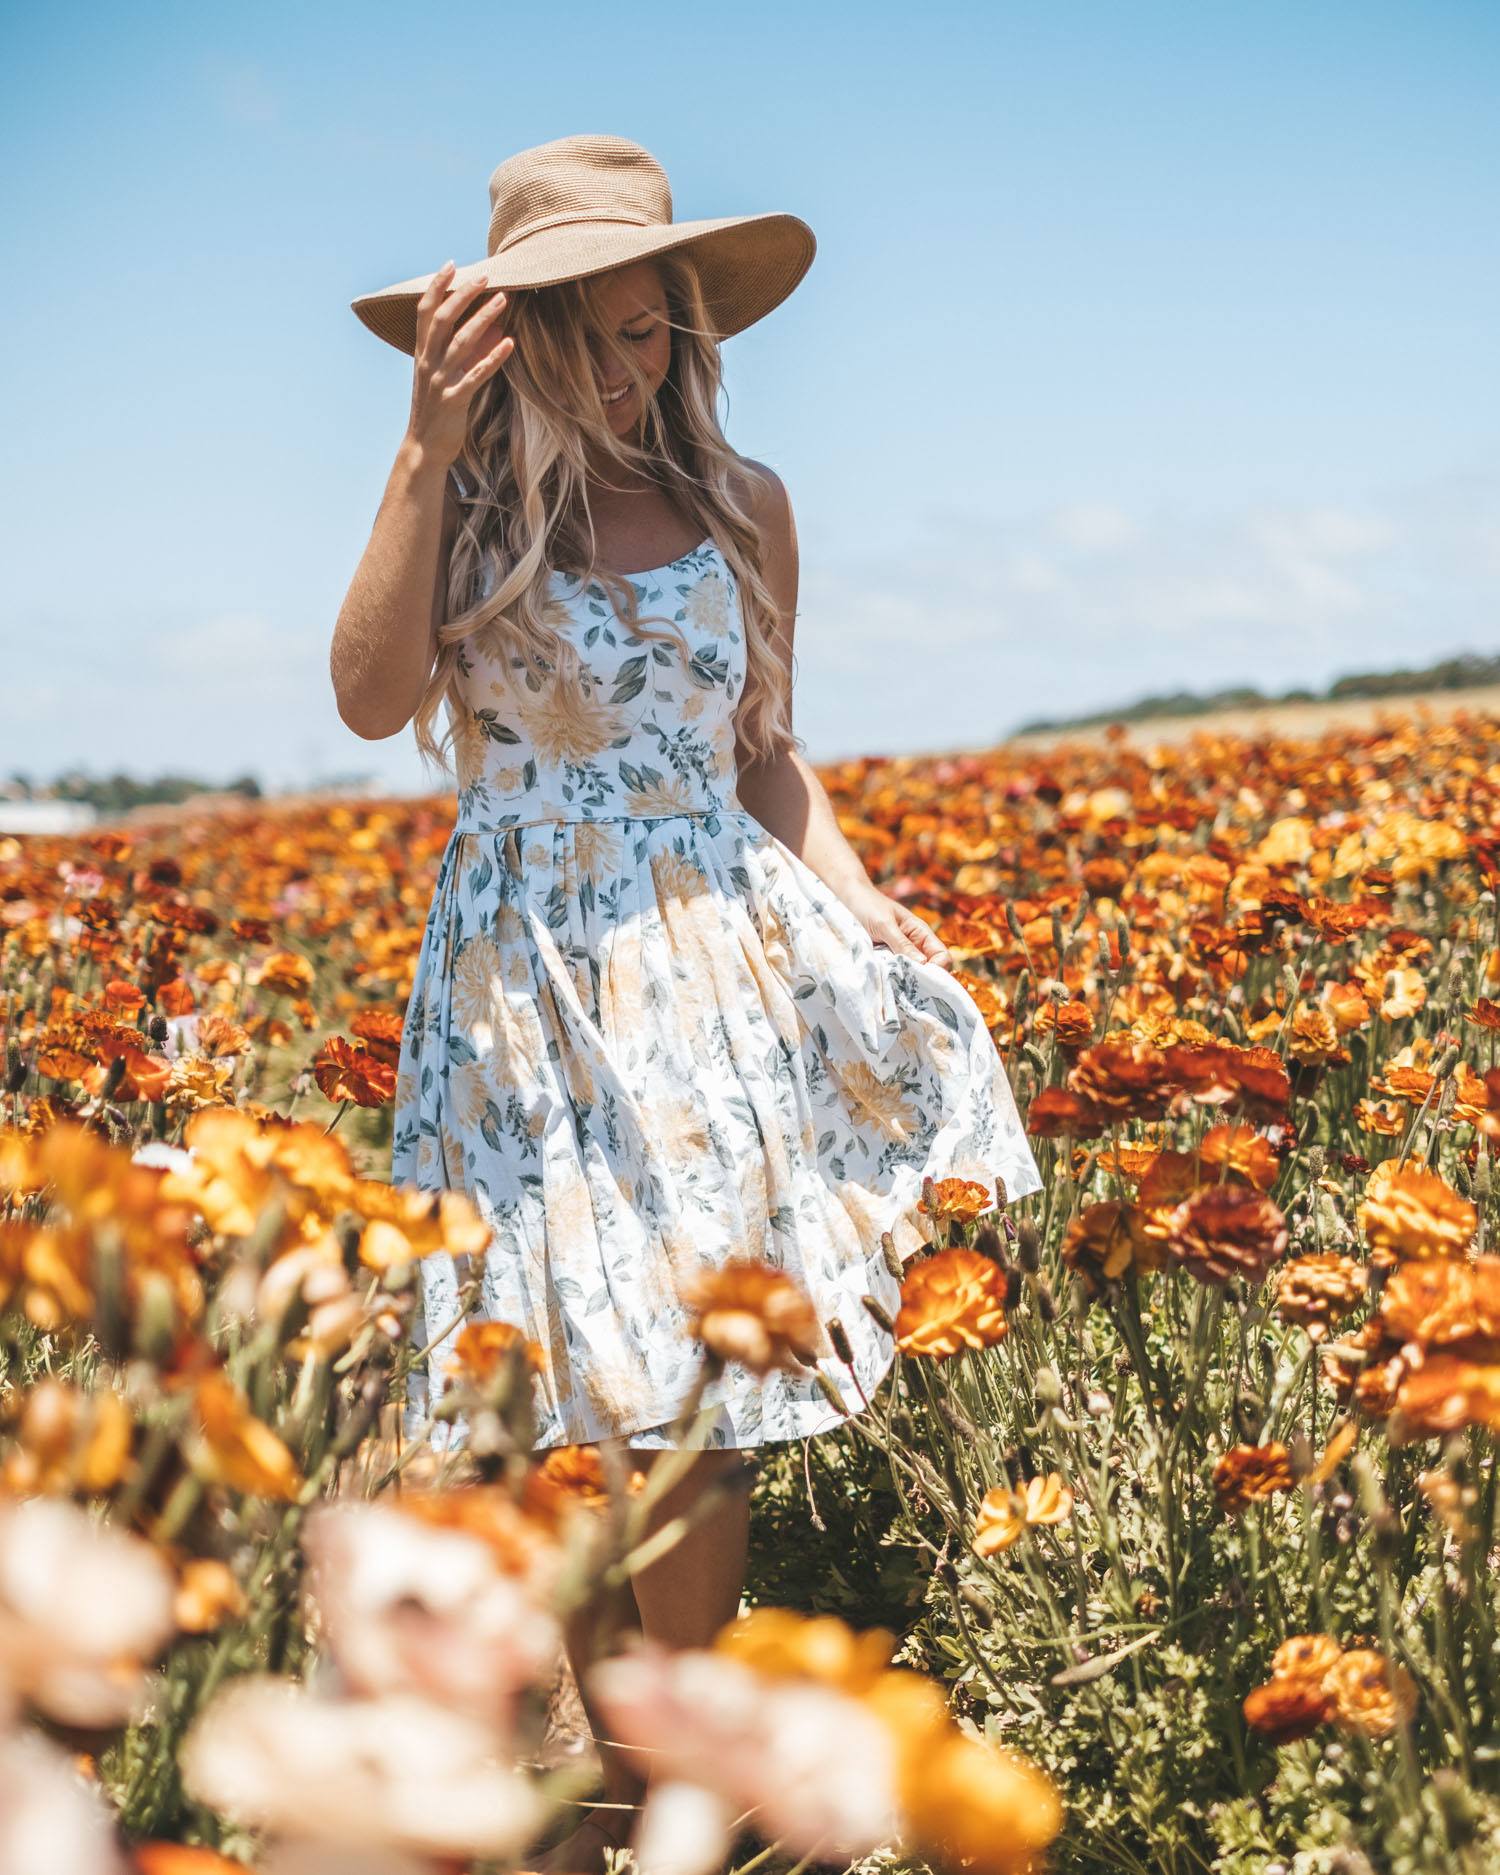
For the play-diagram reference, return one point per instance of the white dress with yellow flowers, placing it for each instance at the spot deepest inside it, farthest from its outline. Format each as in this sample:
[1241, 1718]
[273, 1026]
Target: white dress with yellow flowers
[645, 1037]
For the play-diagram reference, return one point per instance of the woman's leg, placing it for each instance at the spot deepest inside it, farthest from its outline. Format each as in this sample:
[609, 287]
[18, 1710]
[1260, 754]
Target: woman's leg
[682, 1599]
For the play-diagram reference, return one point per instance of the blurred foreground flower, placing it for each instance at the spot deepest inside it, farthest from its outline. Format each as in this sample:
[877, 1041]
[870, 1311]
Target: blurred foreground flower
[395, 1772]
[748, 1312]
[410, 1608]
[84, 1609]
[831, 1755]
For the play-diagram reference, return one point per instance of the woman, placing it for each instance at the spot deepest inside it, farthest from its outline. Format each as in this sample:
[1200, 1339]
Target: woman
[661, 1014]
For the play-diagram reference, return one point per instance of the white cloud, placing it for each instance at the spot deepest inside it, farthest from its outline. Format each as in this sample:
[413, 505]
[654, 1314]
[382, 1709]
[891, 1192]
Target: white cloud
[980, 623]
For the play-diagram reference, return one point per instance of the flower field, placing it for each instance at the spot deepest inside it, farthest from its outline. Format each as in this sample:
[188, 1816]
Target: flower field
[1169, 1543]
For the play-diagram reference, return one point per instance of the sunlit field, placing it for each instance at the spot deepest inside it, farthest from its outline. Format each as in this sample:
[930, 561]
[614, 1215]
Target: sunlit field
[1169, 1544]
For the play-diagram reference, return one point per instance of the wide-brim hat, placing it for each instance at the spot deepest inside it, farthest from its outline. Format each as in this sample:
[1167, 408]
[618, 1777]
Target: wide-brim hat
[581, 205]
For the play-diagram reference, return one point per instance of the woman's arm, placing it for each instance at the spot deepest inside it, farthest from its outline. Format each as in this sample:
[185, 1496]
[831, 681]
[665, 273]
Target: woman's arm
[786, 796]
[385, 641]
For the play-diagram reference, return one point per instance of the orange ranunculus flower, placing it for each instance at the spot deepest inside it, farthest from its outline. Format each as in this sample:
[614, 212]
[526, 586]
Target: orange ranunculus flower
[1347, 1005]
[1283, 1711]
[1314, 1291]
[1226, 1230]
[1305, 1657]
[1403, 994]
[956, 1200]
[746, 1311]
[1006, 1514]
[284, 973]
[1104, 1240]
[964, 1803]
[1381, 1117]
[1295, 1701]
[345, 1072]
[67, 1439]
[1125, 1080]
[1057, 1111]
[1371, 1695]
[1485, 1014]
[1444, 1302]
[578, 1472]
[785, 1645]
[1243, 1153]
[1219, 1075]
[1070, 1024]
[236, 1448]
[1314, 1040]
[208, 1594]
[1407, 1082]
[1132, 1159]
[1445, 1394]
[482, 1348]
[1411, 1212]
[951, 1301]
[1174, 1176]
[1248, 1473]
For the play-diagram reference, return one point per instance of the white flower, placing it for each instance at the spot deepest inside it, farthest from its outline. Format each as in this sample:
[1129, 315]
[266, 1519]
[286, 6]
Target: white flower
[409, 1608]
[50, 1818]
[395, 1773]
[81, 1607]
[169, 1158]
[814, 1764]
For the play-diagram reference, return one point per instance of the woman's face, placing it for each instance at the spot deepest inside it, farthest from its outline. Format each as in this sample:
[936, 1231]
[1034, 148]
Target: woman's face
[633, 306]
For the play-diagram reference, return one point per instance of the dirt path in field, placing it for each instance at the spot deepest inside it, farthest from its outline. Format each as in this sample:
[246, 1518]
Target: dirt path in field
[1295, 720]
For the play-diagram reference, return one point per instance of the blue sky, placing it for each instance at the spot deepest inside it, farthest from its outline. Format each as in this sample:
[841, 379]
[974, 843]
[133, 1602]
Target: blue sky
[1145, 344]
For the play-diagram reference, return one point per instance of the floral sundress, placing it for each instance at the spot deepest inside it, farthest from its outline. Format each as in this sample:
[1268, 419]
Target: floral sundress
[645, 1037]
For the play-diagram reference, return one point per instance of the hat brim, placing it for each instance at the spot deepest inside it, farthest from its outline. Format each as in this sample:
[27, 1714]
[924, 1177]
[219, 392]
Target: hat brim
[748, 264]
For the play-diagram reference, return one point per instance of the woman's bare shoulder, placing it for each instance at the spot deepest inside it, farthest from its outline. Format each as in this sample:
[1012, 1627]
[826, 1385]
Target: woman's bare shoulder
[759, 488]
[763, 494]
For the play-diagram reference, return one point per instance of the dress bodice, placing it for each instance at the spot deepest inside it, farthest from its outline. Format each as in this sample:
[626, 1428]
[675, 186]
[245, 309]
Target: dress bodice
[645, 729]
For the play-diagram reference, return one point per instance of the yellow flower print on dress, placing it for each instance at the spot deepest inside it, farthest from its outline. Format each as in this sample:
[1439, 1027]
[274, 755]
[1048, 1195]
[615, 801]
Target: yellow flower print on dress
[470, 1092]
[670, 795]
[476, 983]
[567, 720]
[707, 606]
[675, 875]
[596, 844]
[469, 745]
[885, 1102]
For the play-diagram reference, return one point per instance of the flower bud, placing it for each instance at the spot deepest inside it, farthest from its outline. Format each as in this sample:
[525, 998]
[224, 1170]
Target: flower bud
[877, 1309]
[891, 1256]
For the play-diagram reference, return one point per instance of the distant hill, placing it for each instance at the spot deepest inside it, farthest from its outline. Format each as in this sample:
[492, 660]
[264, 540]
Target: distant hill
[1467, 672]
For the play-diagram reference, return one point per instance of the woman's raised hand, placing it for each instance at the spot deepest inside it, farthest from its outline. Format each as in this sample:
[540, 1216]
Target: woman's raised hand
[454, 356]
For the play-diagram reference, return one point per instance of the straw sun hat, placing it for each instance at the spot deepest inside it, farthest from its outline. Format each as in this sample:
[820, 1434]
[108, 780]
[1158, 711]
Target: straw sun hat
[581, 205]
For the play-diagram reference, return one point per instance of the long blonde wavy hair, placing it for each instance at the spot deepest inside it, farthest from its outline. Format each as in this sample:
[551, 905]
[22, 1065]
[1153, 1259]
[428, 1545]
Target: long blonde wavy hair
[524, 510]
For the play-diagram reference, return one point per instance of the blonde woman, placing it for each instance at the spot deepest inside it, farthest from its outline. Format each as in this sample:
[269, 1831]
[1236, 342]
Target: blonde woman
[662, 1017]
